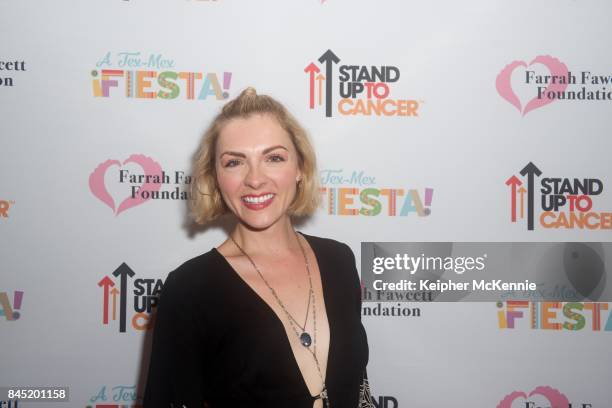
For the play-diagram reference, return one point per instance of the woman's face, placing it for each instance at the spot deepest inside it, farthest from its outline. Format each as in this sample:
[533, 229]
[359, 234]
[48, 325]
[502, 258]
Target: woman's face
[257, 169]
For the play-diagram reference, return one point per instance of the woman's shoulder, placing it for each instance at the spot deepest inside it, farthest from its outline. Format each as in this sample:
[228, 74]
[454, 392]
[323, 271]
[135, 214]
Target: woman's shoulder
[328, 246]
[195, 273]
[337, 258]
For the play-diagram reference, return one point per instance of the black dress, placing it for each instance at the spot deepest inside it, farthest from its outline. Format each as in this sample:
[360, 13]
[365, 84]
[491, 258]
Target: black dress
[217, 341]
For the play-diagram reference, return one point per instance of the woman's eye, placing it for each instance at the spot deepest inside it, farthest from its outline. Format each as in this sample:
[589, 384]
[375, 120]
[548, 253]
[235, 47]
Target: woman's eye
[231, 163]
[276, 158]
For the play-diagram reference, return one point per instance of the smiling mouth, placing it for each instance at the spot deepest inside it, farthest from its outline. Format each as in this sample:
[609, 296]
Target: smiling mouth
[257, 202]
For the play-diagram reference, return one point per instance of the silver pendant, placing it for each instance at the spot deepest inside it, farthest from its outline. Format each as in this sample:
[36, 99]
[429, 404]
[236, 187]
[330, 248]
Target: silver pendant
[324, 397]
[305, 339]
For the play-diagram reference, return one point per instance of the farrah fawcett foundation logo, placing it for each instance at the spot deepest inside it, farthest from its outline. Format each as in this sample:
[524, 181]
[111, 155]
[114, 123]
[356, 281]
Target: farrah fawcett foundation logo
[136, 180]
[546, 80]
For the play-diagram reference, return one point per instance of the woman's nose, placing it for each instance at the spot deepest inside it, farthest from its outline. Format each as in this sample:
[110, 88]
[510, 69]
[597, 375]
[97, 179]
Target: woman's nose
[255, 177]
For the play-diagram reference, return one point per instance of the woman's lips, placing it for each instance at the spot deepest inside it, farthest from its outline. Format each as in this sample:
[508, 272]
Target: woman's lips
[257, 202]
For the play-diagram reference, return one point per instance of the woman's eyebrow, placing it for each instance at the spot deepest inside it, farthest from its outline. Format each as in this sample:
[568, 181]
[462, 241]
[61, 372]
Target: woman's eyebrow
[269, 149]
[237, 154]
[242, 155]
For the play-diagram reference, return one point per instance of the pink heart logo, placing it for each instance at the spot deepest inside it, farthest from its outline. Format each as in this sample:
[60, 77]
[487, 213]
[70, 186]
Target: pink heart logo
[554, 397]
[504, 85]
[98, 188]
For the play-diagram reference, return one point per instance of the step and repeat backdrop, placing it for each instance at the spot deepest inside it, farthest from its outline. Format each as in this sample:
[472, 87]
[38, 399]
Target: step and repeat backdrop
[451, 121]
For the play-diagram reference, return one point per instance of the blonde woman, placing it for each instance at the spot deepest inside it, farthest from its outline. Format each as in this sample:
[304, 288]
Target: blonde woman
[270, 317]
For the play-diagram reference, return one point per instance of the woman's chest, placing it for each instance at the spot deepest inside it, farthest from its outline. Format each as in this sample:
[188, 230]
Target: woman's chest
[256, 345]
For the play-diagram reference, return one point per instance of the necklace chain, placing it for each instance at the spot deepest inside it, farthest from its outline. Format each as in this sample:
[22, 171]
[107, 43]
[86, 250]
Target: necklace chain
[323, 394]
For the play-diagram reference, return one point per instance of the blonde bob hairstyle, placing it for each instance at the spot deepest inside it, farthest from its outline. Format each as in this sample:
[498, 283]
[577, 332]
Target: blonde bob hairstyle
[206, 201]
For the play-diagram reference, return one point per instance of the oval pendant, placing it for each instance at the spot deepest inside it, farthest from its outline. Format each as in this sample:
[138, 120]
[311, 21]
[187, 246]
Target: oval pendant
[305, 339]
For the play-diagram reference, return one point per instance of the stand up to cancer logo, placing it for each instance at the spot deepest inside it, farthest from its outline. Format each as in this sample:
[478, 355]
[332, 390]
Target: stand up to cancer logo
[355, 89]
[558, 203]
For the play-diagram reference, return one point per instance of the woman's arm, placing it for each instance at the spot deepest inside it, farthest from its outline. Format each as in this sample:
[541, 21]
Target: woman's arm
[175, 372]
[365, 397]
[158, 392]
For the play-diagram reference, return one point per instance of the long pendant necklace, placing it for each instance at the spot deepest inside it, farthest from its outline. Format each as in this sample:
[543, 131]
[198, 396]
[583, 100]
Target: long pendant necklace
[304, 337]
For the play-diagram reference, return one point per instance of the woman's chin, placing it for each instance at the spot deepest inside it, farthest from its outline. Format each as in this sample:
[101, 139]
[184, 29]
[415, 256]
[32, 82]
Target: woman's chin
[259, 223]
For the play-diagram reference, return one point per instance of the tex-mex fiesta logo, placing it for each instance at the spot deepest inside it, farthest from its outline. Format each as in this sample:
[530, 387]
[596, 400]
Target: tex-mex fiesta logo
[557, 316]
[5, 205]
[545, 80]
[152, 76]
[122, 185]
[118, 396]
[361, 89]
[356, 193]
[139, 298]
[542, 396]
[565, 203]
[10, 306]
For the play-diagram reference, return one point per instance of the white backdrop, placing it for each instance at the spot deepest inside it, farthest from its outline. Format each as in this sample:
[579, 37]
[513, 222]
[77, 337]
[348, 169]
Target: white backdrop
[64, 228]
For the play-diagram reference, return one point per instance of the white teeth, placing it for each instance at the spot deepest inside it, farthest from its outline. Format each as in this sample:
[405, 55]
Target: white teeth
[257, 200]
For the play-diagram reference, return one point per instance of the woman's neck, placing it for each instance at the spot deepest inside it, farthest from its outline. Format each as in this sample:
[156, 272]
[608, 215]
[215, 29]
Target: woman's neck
[278, 239]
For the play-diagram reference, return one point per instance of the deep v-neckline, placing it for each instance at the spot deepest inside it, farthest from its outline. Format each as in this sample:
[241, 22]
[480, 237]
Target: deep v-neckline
[326, 303]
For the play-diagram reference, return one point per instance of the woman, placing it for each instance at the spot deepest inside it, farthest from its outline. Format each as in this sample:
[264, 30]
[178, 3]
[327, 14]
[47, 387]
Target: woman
[270, 318]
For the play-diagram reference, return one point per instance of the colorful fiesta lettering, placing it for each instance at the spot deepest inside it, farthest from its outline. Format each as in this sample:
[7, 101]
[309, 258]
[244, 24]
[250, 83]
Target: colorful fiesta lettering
[170, 84]
[555, 315]
[375, 201]
[4, 208]
[8, 310]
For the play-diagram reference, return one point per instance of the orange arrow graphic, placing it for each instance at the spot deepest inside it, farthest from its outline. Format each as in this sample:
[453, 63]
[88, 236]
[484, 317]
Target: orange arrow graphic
[320, 78]
[522, 192]
[114, 292]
